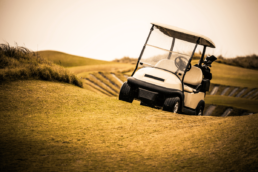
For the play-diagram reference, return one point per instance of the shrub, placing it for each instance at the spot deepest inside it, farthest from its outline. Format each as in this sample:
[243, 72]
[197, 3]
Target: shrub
[249, 61]
[20, 63]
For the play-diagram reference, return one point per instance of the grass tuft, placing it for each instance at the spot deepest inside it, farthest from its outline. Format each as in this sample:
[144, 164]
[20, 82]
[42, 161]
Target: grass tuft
[18, 63]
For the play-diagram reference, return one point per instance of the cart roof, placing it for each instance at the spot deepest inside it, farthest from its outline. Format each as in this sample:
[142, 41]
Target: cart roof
[183, 34]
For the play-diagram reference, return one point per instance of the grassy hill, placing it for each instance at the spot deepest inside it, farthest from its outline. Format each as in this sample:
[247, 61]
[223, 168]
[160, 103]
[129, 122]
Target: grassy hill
[82, 66]
[59, 127]
[68, 60]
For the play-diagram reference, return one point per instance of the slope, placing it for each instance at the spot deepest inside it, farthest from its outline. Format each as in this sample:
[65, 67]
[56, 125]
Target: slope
[53, 126]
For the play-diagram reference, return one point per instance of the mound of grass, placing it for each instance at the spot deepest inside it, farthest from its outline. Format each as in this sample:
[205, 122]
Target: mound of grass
[68, 60]
[20, 63]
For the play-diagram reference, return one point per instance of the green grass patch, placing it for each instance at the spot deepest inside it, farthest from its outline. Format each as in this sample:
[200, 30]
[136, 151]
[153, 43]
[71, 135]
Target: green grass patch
[48, 126]
[234, 76]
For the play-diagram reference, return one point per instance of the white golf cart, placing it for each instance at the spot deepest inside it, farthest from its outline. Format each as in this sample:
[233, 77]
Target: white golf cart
[165, 77]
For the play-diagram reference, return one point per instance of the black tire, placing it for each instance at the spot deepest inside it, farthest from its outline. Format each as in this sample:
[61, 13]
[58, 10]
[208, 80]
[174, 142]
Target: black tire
[172, 104]
[126, 93]
[199, 109]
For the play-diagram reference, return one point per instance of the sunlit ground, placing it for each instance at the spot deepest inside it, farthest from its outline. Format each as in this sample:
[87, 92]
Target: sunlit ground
[48, 126]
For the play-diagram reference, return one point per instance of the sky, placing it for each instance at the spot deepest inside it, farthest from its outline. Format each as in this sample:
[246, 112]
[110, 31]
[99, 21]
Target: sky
[110, 29]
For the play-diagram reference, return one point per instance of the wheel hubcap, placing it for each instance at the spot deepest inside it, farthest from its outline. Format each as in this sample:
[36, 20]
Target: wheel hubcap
[176, 107]
[200, 113]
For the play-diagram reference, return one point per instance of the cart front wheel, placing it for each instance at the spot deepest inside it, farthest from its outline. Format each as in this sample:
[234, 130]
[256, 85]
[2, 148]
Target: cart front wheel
[172, 104]
[126, 93]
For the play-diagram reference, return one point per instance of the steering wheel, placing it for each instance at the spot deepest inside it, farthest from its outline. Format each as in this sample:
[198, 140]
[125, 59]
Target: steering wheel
[181, 63]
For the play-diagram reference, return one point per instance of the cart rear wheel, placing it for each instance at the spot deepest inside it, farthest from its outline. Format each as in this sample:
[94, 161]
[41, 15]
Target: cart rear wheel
[126, 93]
[172, 104]
[199, 109]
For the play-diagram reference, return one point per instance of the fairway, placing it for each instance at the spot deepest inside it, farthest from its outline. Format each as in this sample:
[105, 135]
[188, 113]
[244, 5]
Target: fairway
[48, 126]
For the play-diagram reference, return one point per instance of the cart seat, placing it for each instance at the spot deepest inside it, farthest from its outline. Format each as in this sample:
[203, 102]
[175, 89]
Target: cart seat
[167, 64]
[193, 76]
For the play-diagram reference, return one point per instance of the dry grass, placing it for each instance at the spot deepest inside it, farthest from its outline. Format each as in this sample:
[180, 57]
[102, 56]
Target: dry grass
[58, 127]
[20, 63]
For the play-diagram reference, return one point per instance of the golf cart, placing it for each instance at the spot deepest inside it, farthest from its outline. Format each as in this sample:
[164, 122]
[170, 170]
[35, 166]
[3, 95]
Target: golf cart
[164, 77]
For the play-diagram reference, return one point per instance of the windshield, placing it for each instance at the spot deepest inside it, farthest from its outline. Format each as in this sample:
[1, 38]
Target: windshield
[164, 53]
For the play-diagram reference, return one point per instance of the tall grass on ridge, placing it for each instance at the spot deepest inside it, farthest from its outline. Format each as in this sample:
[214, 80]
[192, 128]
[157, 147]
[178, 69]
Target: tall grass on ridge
[249, 61]
[20, 63]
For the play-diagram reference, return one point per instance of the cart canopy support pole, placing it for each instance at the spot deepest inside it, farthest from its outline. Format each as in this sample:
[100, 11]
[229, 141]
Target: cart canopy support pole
[203, 54]
[172, 47]
[142, 50]
[197, 42]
